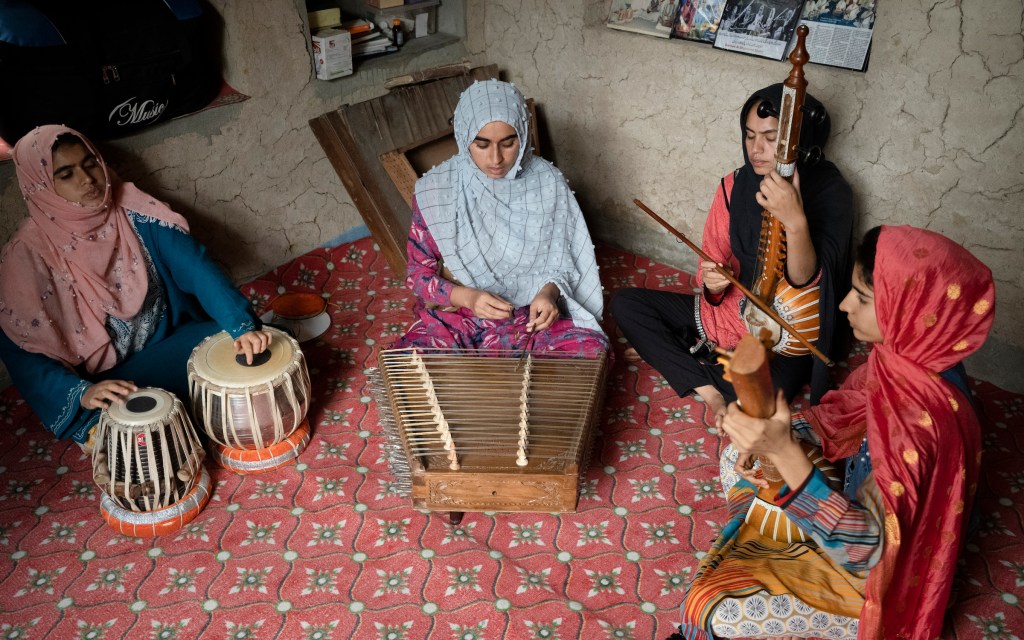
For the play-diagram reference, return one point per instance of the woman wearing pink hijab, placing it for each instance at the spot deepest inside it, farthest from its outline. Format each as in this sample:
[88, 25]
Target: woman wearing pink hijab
[102, 289]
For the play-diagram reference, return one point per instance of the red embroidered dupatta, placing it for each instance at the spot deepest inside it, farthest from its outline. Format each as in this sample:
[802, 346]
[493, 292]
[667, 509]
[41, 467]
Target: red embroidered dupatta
[934, 302]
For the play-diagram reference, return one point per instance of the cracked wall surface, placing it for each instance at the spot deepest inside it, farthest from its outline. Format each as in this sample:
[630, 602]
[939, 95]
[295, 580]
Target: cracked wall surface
[252, 180]
[931, 135]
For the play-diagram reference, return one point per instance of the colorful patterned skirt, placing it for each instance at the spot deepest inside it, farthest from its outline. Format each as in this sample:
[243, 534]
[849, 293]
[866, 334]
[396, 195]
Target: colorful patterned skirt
[441, 329]
[752, 586]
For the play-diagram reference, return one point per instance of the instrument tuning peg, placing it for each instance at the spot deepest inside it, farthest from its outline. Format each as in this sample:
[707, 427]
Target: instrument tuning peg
[809, 157]
[766, 110]
[816, 113]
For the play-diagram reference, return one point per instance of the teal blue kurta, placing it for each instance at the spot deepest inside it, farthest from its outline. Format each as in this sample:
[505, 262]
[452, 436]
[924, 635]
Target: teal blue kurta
[195, 290]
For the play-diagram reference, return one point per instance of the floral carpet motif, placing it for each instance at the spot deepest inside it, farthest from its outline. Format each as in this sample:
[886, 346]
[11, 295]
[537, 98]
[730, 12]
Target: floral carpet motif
[325, 548]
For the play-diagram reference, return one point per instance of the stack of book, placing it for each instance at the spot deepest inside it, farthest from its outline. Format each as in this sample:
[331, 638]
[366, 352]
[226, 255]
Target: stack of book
[367, 39]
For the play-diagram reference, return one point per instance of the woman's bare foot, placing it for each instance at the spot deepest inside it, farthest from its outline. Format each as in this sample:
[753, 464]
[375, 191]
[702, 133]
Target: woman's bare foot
[631, 355]
[715, 402]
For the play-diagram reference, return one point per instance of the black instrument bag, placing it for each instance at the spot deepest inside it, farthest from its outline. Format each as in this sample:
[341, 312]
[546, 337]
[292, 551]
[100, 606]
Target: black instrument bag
[103, 67]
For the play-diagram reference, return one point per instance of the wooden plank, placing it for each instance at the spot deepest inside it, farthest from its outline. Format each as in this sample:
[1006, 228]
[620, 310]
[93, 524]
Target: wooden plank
[451, 92]
[395, 119]
[334, 136]
[425, 117]
[425, 75]
[401, 173]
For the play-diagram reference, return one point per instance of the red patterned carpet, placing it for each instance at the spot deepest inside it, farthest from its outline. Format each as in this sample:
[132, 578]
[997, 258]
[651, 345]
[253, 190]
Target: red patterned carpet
[325, 549]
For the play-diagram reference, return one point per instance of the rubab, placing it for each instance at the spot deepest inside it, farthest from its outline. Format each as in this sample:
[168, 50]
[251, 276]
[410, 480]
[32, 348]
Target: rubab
[789, 315]
[799, 307]
[747, 368]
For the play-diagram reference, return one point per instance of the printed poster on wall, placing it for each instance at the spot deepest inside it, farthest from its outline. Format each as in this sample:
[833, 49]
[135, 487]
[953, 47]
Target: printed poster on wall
[698, 20]
[649, 17]
[758, 27]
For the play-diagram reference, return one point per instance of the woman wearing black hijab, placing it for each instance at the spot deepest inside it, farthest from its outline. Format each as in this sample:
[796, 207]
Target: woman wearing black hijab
[676, 332]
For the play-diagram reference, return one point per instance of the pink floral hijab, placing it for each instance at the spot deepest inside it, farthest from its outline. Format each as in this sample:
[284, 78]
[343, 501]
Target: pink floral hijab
[70, 266]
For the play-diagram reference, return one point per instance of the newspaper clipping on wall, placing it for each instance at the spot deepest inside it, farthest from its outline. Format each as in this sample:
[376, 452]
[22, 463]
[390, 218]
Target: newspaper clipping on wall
[758, 27]
[839, 32]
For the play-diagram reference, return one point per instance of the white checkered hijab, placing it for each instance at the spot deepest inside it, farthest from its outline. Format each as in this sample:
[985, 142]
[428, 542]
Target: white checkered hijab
[513, 235]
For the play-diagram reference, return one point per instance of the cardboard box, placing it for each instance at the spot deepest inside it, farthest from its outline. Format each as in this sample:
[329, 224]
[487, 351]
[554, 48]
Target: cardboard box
[332, 53]
[324, 18]
[385, 4]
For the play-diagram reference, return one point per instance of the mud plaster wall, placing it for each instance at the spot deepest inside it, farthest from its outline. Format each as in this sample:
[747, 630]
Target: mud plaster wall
[930, 135]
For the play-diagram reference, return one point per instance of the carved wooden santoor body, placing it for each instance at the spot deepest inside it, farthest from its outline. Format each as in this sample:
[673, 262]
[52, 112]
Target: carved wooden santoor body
[489, 431]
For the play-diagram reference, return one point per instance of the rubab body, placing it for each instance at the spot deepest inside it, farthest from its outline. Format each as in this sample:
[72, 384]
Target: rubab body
[747, 367]
[799, 307]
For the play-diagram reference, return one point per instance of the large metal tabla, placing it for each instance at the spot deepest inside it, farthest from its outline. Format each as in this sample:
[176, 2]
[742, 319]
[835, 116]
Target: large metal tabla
[148, 462]
[255, 414]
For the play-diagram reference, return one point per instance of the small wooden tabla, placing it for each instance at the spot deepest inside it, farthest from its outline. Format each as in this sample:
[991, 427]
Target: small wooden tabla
[147, 461]
[255, 414]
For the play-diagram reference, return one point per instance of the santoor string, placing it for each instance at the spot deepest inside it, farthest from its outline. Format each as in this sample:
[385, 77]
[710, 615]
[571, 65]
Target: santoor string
[499, 404]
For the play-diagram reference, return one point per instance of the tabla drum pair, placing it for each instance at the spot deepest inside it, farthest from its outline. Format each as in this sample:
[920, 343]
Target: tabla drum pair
[255, 414]
[148, 462]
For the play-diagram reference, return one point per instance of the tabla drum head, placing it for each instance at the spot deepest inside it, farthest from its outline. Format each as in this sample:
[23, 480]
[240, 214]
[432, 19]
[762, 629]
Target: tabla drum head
[215, 360]
[143, 407]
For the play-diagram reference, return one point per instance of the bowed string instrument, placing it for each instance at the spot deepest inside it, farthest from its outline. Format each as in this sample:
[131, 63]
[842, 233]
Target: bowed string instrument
[799, 307]
[790, 315]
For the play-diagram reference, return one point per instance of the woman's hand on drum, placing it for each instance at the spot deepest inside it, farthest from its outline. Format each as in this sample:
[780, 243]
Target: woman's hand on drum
[714, 281]
[482, 303]
[102, 394]
[252, 342]
[544, 308]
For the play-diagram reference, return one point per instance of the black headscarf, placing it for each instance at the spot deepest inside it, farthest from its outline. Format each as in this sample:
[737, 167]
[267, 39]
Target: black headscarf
[828, 205]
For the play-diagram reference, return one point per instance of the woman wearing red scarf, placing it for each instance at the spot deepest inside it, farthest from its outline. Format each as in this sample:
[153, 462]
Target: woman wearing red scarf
[884, 549]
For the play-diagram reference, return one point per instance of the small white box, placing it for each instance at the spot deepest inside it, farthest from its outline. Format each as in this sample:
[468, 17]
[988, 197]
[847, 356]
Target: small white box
[332, 53]
[422, 24]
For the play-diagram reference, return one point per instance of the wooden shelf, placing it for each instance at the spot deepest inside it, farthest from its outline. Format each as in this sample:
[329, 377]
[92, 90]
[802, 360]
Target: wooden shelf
[404, 8]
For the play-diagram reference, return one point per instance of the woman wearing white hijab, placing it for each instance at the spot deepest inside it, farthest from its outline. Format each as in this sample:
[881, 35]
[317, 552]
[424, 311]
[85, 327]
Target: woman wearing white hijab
[507, 227]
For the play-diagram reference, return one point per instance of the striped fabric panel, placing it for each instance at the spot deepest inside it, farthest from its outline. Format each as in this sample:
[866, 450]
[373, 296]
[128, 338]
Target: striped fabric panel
[849, 532]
